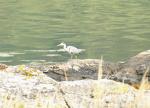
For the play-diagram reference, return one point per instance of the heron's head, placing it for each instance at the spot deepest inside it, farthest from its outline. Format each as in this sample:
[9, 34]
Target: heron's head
[61, 44]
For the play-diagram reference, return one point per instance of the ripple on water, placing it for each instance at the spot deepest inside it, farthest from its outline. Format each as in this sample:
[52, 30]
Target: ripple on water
[59, 50]
[40, 50]
[2, 54]
[5, 61]
[9, 54]
[53, 55]
[16, 53]
[33, 60]
[135, 38]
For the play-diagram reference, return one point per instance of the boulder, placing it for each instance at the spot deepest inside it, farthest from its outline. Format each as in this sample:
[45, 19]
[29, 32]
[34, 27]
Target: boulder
[77, 69]
[130, 71]
[29, 91]
[97, 94]
[40, 91]
[135, 69]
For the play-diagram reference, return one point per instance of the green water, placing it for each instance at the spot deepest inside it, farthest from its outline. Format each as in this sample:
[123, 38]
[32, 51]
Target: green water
[31, 29]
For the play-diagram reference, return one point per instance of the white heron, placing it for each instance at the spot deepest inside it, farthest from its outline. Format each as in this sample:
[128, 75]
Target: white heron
[71, 49]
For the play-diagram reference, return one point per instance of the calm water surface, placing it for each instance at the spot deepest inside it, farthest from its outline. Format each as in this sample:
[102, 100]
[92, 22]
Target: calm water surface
[31, 29]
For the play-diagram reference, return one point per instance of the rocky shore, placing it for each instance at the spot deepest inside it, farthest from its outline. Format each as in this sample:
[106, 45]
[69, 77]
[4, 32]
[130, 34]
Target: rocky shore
[130, 71]
[74, 84]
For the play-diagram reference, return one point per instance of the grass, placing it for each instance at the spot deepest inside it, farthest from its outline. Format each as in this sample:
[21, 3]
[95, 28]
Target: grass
[65, 74]
[100, 69]
[144, 85]
[138, 101]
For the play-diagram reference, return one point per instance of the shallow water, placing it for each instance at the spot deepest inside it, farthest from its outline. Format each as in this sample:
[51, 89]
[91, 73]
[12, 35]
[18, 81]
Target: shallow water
[30, 30]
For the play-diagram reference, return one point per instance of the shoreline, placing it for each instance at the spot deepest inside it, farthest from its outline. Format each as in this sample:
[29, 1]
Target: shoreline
[75, 84]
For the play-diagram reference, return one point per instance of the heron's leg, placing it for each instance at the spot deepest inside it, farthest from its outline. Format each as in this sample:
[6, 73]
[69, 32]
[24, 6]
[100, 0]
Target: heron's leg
[76, 56]
[71, 56]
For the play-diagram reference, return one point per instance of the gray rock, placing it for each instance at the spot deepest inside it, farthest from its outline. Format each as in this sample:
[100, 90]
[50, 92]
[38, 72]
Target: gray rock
[77, 69]
[133, 70]
[97, 94]
[28, 89]
[130, 71]
[42, 91]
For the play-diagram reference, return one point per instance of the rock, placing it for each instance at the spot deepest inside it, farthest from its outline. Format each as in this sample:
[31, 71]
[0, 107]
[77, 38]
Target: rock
[17, 89]
[3, 67]
[26, 85]
[77, 69]
[130, 71]
[133, 70]
[97, 94]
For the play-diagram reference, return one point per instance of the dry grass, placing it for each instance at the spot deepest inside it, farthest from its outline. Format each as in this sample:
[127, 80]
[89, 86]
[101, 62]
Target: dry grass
[65, 74]
[100, 69]
[145, 83]
[142, 100]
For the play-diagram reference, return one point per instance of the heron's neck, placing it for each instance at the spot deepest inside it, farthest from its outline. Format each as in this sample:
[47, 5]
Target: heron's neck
[65, 46]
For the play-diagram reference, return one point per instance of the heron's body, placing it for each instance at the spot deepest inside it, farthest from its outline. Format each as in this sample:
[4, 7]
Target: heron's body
[71, 49]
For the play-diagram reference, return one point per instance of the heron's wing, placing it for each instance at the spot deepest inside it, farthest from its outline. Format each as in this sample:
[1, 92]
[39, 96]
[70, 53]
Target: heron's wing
[72, 49]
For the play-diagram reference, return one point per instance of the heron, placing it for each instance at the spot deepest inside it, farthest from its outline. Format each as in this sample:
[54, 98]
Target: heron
[71, 49]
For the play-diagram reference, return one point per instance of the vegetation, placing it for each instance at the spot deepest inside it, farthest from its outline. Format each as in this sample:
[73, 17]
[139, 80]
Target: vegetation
[27, 71]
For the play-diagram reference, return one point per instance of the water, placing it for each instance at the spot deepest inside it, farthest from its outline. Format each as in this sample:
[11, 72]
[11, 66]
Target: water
[30, 30]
